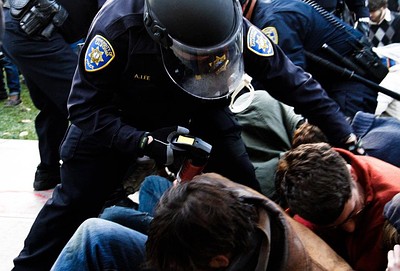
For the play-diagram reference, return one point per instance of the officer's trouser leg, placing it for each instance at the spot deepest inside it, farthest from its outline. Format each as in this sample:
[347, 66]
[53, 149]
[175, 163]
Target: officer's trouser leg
[89, 173]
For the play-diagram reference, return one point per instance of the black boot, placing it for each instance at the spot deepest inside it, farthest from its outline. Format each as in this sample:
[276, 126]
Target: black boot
[46, 177]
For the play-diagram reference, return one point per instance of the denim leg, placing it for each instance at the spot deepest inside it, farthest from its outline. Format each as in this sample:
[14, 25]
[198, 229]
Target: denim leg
[102, 245]
[12, 74]
[151, 191]
[128, 217]
[3, 89]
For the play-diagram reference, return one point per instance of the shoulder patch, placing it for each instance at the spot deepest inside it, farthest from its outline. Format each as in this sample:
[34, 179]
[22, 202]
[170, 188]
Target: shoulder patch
[99, 54]
[258, 43]
[271, 33]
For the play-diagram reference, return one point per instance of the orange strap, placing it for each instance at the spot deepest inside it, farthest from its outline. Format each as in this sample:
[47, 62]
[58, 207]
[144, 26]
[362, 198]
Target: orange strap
[248, 9]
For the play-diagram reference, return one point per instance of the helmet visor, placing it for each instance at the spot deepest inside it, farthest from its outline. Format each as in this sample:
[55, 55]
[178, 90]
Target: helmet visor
[207, 73]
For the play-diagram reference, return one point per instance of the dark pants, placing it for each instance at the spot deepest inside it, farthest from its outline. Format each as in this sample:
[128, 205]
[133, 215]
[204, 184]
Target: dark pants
[90, 173]
[48, 67]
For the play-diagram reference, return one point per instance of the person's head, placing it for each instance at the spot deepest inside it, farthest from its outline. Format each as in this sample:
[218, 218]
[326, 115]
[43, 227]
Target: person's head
[202, 43]
[308, 133]
[390, 236]
[199, 225]
[320, 186]
[377, 10]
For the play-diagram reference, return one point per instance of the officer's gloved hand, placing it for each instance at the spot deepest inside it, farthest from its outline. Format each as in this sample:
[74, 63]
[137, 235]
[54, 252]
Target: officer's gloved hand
[362, 25]
[354, 145]
[157, 144]
[38, 18]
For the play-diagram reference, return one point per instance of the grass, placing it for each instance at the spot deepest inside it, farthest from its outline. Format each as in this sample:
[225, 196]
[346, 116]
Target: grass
[18, 122]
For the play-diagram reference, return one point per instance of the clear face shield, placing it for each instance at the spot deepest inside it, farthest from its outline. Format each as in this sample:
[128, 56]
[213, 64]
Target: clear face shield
[208, 73]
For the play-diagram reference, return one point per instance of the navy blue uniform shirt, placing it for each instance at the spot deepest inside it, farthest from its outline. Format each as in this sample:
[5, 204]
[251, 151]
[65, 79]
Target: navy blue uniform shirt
[297, 27]
[121, 89]
[80, 15]
[359, 7]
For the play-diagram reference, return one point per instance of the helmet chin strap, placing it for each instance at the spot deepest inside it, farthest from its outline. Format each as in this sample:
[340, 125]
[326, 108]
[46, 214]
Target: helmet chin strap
[237, 107]
[247, 8]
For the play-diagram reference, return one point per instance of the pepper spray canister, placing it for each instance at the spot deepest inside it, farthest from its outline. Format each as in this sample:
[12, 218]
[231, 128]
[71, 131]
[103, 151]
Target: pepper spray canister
[197, 154]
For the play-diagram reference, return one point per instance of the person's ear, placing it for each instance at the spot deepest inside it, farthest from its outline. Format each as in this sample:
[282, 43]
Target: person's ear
[219, 261]
[352, 172]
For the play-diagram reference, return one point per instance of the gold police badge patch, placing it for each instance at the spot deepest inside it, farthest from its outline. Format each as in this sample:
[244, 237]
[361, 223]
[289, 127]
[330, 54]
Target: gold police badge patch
[258, 43]
[98, 54]
[271, 33]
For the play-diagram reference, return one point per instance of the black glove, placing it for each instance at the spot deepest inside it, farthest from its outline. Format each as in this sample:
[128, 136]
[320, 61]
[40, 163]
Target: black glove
[38, 18]
[354, 145]
[161, 149]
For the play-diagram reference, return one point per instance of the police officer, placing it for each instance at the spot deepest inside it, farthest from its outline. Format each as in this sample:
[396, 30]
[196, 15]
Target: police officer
[354, 12]
[37, 39]
[149, 71]
[298, 27]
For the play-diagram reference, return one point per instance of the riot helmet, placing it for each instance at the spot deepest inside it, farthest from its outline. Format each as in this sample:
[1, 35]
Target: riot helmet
[201, 43]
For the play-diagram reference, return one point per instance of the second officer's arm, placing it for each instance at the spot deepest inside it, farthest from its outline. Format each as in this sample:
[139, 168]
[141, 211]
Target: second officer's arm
[266, 63]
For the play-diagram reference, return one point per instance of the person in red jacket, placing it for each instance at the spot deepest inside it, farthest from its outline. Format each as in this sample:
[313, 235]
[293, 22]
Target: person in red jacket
[341, 197]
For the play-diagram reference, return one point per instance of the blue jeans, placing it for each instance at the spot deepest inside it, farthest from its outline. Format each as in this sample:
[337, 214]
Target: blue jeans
[150, 192]
[102, 245]
[12, 77]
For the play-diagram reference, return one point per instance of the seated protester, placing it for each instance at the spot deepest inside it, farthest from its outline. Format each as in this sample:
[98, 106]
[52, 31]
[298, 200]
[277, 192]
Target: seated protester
[391, 212]
[150, 192]
[300, 28]
[341, 197]
[389, 106]
[380, 136]
[209, 223]
[384, 23]
[269, 131]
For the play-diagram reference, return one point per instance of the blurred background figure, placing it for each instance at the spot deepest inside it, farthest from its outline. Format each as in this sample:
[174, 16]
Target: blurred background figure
[42, 51]
[10, 81]
[384, 23]
[353, 12]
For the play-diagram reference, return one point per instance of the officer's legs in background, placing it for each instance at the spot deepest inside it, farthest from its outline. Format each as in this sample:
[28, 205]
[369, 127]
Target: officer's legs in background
[3, 89]
[12, 74]
[50, 125]
[48, 68]
[90, 173]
